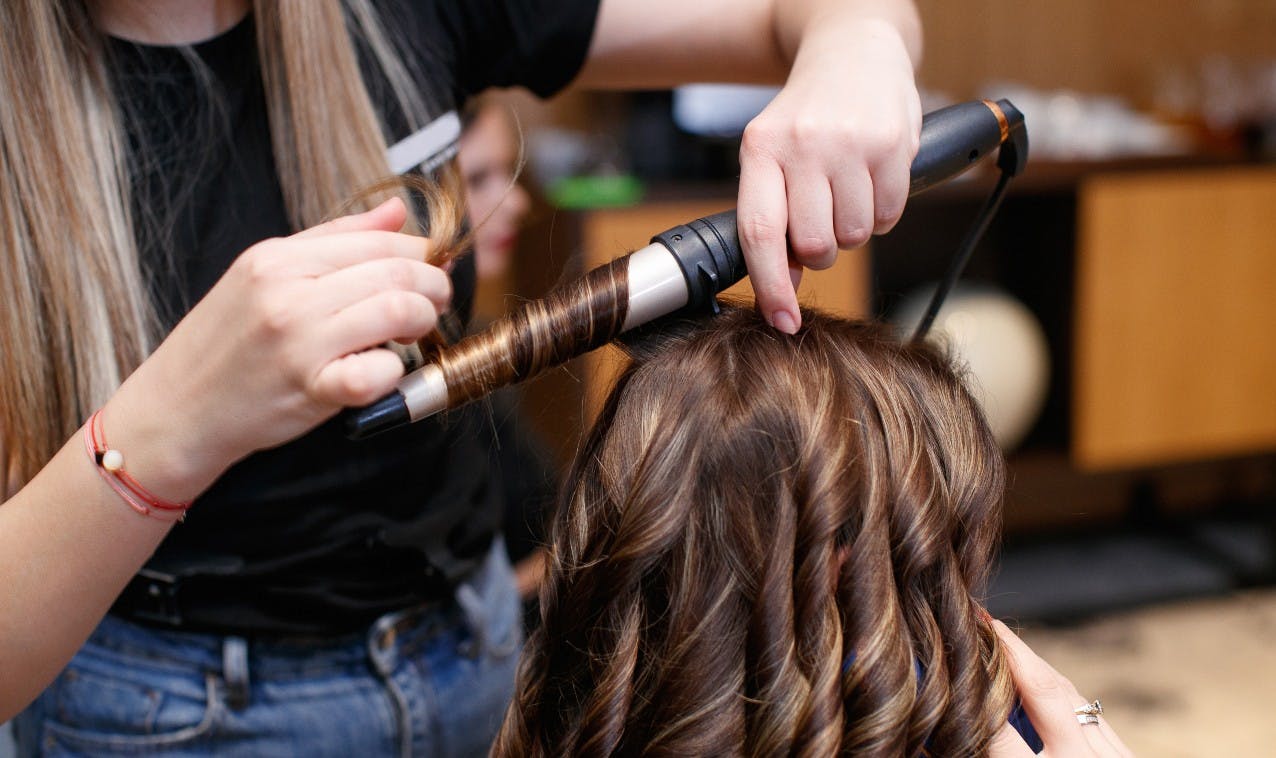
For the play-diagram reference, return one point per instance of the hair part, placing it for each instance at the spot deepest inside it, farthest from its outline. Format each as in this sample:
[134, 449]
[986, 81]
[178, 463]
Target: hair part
[769, 545]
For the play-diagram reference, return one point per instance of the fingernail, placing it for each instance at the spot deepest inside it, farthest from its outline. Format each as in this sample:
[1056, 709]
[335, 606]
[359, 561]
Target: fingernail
[784, 322]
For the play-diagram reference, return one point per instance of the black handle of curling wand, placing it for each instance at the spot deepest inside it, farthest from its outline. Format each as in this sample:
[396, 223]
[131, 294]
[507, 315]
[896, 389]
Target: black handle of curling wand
[708, 255]
[955, 138]
[952, 140]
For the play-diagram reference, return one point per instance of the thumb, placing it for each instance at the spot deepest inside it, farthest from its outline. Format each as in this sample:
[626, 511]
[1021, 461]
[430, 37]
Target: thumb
[386, 217]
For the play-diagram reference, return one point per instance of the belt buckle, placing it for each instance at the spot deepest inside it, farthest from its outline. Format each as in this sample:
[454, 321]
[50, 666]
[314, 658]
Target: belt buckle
[157, 597]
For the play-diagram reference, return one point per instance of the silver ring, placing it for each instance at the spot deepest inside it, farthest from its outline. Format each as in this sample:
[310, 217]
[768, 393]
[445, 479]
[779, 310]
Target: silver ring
[1093, 708]
[1087, 718]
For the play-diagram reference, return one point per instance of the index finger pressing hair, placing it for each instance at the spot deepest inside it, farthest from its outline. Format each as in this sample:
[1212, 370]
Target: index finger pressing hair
[762, 222]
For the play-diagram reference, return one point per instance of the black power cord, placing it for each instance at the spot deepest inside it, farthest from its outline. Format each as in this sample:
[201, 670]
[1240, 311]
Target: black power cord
[1011, 159]
[962, 256]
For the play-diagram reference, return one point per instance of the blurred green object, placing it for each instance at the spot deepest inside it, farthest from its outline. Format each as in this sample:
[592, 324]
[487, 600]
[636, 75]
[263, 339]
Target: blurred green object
[585, 192]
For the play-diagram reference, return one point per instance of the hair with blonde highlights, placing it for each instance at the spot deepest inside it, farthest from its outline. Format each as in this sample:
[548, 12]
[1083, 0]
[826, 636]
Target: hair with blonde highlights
[77, 313]
[772, 545]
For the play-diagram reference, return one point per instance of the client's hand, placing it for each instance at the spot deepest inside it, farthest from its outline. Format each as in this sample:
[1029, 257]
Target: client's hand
[288, 336]
[1051, 702]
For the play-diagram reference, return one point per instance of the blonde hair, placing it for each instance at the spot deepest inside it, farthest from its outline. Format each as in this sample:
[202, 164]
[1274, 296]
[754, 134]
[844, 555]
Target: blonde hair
[78, 316]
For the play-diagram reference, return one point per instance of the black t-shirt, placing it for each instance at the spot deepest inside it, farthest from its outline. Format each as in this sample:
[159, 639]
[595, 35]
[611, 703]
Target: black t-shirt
[322, 534]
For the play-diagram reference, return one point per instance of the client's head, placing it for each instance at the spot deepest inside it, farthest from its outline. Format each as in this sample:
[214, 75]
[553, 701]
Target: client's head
[772, 545]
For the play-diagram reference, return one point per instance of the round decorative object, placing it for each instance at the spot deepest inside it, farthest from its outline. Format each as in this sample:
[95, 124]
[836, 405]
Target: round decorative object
[112, 460]
[1000, 344]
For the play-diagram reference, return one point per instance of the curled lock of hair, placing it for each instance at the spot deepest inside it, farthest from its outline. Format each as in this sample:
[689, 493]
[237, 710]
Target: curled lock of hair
[578, 315]
[436, 210]
[771, 545]
[441, 200]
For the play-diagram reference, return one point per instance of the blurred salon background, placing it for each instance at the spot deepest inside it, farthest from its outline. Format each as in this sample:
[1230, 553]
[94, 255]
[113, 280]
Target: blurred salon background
[1117, 320]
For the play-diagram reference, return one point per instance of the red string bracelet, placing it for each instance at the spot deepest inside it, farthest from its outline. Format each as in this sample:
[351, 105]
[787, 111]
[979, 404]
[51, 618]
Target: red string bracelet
[109, 463]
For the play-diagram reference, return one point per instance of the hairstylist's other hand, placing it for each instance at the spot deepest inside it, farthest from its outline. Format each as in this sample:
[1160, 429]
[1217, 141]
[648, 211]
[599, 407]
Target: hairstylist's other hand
[827, 163]
[1050, 700]
[286, 338]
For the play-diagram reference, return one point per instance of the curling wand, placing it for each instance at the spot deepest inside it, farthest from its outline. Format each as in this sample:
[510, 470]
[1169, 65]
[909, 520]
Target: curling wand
[681, 271]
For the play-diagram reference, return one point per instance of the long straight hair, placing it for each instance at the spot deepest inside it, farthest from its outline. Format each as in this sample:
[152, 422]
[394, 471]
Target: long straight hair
[77, 315]
[771, 545]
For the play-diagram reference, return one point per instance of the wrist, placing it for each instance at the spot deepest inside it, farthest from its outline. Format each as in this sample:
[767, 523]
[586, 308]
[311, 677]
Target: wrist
[162, 449]
[110, 464]
[854, 38]
[881, 19]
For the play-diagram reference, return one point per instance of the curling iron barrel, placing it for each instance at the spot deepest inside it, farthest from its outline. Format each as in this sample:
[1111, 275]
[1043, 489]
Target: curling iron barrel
[682, 270]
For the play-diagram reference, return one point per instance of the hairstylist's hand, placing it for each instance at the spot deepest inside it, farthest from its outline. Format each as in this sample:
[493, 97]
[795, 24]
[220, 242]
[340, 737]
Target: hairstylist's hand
[285, 339]
[827, 163]
[1050, 700]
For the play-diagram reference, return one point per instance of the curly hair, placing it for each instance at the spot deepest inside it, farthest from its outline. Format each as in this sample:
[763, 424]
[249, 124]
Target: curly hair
[771, 545]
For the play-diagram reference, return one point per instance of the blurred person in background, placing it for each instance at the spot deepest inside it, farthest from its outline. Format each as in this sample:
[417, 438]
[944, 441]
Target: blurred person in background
[497, 205]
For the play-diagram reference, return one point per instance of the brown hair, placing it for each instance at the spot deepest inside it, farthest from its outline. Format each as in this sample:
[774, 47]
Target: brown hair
[771, 545]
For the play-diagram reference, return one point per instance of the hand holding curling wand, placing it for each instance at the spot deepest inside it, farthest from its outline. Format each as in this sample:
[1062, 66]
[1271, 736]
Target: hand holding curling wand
[682, 270]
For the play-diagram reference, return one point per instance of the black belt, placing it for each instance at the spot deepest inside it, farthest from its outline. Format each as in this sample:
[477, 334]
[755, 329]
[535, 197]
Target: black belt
[187, 603]
[151, 596]
[157, 593]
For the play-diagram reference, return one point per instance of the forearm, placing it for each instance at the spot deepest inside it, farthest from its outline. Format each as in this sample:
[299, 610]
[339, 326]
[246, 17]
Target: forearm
[284, 340]
[68, 545]
[661, 43]
[798, 23]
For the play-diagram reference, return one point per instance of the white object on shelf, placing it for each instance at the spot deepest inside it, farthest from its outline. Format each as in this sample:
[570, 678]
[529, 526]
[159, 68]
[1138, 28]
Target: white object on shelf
[999, 343]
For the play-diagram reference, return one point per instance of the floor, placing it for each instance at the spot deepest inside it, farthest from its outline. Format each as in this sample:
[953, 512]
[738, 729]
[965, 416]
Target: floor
[1191, 678]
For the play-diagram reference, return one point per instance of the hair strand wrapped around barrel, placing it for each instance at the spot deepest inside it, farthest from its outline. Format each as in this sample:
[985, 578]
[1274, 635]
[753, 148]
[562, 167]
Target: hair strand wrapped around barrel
[583, 313]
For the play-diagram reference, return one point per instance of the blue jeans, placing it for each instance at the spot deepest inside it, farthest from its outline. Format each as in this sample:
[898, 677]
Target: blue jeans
[430, 681]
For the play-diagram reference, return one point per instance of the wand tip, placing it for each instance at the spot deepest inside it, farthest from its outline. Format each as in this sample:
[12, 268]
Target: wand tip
[385, 414]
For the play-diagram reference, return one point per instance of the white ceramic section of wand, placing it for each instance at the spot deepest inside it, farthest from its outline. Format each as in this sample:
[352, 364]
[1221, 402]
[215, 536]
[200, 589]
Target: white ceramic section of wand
[657, 286]
[424, 392]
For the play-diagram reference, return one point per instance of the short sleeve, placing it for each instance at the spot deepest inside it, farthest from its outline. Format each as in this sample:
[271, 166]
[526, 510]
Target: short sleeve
[537, 44]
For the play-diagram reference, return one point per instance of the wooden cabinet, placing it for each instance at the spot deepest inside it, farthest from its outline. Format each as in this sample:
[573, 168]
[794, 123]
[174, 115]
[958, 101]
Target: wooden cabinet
[1174, 316]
